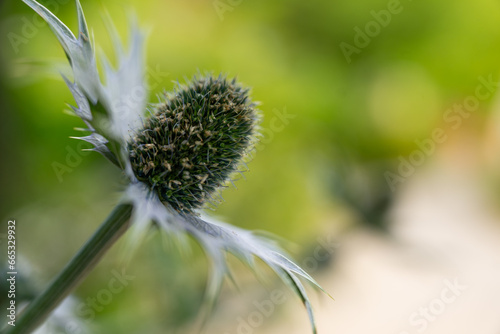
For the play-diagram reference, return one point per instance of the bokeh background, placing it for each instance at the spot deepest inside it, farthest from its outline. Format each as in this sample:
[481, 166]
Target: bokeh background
[402, 230]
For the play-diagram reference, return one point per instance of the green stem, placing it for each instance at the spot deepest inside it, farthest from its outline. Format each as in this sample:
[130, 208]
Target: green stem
[75, 271]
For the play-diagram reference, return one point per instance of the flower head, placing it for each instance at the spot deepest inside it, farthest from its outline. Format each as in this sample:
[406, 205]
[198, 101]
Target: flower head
[176, 159]
[194, 141]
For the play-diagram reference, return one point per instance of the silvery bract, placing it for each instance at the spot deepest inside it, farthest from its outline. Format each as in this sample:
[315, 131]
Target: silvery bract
[114, 112]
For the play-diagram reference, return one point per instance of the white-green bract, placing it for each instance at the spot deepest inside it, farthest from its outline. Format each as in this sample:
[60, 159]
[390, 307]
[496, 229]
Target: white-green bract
[113, 111]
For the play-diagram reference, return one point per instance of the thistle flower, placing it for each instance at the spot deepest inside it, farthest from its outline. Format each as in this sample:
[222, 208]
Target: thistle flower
[176, 159]
[194, 141]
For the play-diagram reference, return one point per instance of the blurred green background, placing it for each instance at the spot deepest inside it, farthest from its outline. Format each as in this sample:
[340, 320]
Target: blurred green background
[319, 170]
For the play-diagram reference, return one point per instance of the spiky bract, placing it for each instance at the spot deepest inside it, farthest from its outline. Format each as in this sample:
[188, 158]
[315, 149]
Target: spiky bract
[194, 141]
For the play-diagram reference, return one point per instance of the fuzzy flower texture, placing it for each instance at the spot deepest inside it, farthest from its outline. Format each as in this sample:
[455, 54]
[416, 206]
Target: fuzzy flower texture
[179, 156]
[194, 141]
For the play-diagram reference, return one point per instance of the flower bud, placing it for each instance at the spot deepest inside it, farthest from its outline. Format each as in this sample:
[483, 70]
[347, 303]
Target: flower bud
[194, 141]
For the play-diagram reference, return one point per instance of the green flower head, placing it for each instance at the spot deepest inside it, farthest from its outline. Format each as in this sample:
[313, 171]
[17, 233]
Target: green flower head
[194, 141]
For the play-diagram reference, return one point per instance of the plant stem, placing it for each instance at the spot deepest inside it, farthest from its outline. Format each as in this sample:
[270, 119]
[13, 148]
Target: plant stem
[75, 271]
